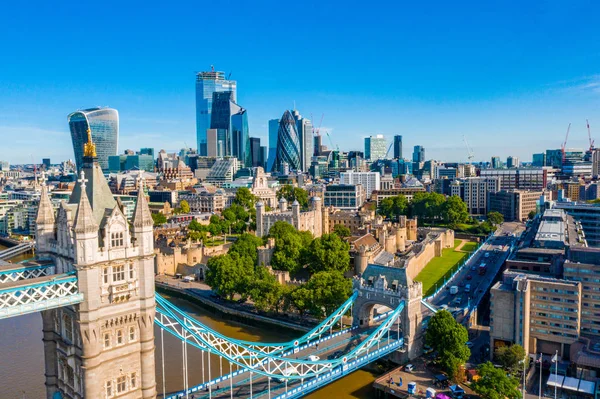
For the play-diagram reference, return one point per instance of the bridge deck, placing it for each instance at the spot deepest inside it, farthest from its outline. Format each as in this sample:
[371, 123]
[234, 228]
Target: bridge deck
[33, 282]
[7, 267]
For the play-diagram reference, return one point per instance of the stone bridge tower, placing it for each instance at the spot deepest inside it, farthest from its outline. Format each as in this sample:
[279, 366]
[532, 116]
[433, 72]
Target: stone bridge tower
[387, 286]
[103, 347]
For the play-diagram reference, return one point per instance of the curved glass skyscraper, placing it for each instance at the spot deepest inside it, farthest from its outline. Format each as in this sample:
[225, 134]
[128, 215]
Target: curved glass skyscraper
[104, 125]
[288, 144]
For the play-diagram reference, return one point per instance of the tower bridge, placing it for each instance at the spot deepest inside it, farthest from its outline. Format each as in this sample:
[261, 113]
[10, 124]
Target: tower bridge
[93, 282]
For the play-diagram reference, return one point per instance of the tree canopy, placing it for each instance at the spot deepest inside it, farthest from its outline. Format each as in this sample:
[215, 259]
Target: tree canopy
[342, 231]
[494, 383]
[329, 289]
[531, 214]
[446, 336]
[495, 218]
[454, 210]
[229, 274]
[245, 198]
[246, 246]
[511, 357]
[393, 207]
[159, 219]
[290, 246]
[328, 252]
[291, 193]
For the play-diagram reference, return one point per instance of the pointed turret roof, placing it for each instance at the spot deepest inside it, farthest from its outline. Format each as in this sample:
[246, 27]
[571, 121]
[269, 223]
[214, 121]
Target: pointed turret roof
[84, 219]
[142, 216]
[45, 213]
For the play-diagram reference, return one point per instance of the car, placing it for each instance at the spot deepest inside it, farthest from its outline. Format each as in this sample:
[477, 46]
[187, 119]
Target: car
[409, 368]
[453, 289]
[314, 358]
[473, 268]
[427, 349]
[334, 355]
[469, 344]
[468, 288]
[458, 300]
[444, 307]
[469, 277]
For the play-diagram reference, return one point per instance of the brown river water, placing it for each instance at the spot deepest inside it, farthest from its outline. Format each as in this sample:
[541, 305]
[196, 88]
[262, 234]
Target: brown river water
[22, 356]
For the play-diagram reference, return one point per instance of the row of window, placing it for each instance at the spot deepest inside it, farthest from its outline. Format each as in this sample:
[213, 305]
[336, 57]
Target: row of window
[557, 291]
[118, 273]
[119, 337]
[116, 240]
[123, 384]
[555, 299]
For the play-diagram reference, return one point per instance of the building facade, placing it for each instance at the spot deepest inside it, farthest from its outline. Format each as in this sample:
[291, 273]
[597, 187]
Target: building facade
[103, 347]
[418, 154]
[534, 179]
[311, 220]
[370, 181]
[288, 145]
[344, 196]
[208, 83]
[104, 126]
[375, 147]
[397, 147]
[514, 205]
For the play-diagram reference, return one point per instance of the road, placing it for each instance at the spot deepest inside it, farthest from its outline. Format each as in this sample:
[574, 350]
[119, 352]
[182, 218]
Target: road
[493, 254]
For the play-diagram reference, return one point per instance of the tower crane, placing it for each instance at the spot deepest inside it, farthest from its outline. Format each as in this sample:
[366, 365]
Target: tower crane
[331, 141]
[563, 147]
[589, 135]
[470, 154]
[388, 151]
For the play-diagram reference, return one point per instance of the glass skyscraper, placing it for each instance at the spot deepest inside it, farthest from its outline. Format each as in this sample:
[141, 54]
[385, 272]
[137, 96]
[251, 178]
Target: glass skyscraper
[375, 147]
[231, 123]
[288, 144]
[273, 130]
[305, 135]
[208, 83]
[397, 147]
[419, 154]
[104, 126]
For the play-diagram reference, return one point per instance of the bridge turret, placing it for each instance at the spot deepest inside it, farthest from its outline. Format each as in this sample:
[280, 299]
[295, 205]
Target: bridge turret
[85, 228]
[44, 221]
[142, 223]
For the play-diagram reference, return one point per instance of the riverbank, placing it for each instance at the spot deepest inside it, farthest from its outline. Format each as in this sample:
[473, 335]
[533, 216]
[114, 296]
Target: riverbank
[227, 312]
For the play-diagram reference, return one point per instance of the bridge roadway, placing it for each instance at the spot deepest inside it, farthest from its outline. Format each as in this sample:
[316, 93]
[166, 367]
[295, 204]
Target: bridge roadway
[497, 249]
[261, 386]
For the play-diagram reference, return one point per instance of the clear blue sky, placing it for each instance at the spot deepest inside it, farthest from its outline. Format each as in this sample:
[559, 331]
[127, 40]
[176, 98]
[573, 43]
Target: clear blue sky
[510, 76]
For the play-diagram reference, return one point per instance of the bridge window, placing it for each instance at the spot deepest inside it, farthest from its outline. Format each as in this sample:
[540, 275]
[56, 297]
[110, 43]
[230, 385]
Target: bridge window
[131, 271]
[105, 275]
[121, 384]
[131, 333]
[116, 239]
[119, 273]
[119, 337]
[106, 340]
[70, 376]
[67, 328]
[109, 389]
[133, 381]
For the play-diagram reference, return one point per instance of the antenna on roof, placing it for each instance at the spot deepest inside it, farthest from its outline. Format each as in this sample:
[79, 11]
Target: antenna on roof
[212, 68]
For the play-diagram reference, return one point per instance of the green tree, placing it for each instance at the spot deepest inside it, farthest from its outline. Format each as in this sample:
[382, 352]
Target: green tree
[244, 198]
[531, 214]
[329, 289]
[342, 231]
[228, 275]
[427, 206]
[328, 252]
[302, 299]
[484, 228]
[159, 219]
[197, 235]
[246, 246]
[290, 246]
[446, 336]
[495, 218]
[494, 383]
[454, 210]
[511, 357]
[184, 206]
[291, 193]
[264, 289]
[196, 226]
[393, 207]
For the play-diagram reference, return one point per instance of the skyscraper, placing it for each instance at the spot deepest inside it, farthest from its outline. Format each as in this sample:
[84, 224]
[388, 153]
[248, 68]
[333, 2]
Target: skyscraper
[288, 144]
[397, 147]
[305, 135]
[255, 151]
[539, 159]
[231, 123]
[496, 164]
[419, 154]
[375, 147]
[273, 129]
[512, 162]
[104, 125]
[208, 83]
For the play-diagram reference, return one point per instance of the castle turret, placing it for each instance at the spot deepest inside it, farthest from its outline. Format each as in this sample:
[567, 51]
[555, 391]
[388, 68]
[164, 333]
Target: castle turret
[318, 216]
[260, 208]
[44, 221]
[283, 204]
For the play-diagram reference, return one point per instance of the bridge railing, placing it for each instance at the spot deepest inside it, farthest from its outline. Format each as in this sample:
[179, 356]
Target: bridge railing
[20, 272]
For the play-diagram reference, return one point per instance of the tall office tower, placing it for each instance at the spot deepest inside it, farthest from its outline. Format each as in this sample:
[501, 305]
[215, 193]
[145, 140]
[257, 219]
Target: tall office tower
[104, 125]
[419, 154]
[375, 147]
[512, 162]
[304, 128]
[539, 159]
[147, 151]
[397, 147]
[317, 145]
[255, 151]
[496, 163]
[288, 145]
[273, 129]
[231, 122]
[208, 83]
[263, 156]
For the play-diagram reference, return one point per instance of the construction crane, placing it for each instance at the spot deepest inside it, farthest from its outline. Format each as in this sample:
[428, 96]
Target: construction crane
[589, 135]
[331, 141]
[470, 154]
[563, 147]
[388, 151]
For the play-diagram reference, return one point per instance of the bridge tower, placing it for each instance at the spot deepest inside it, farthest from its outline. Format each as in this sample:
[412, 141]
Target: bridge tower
[103, 347]
[382, 285]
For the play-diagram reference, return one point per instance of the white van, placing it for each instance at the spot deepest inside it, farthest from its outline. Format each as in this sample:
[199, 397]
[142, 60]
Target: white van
[454, 290]
[288, 372]
[188, 279]
[468, 288]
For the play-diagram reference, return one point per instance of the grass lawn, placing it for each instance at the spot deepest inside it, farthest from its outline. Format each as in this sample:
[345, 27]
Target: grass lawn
[443, 266]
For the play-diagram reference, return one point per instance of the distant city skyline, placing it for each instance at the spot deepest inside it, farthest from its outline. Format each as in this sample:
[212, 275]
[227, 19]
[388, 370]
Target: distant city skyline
[505, 77]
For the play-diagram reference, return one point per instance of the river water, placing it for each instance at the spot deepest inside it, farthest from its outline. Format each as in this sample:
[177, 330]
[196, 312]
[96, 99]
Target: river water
[22, 357]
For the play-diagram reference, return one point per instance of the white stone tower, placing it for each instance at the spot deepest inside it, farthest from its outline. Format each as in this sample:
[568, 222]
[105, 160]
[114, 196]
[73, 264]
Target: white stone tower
[103, 347]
